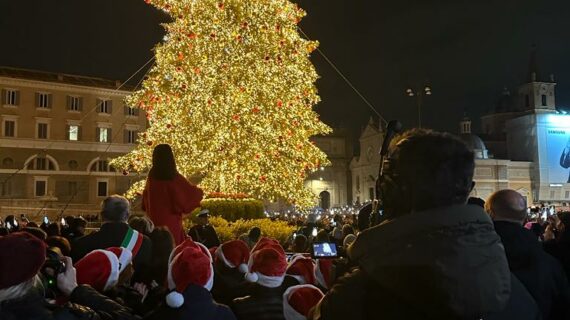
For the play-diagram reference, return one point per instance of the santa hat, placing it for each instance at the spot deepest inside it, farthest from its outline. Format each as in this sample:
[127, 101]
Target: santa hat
[21, 257]
[302, 269]
[234, 254]
[267, 267]
[299, 300]
[189, 243]
[323, 272]
[99, 269]
[267, 242]
[124, 255]
[191, 265]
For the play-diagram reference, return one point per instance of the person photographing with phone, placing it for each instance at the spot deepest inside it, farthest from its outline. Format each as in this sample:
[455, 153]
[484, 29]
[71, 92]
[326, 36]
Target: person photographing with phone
[22, 257]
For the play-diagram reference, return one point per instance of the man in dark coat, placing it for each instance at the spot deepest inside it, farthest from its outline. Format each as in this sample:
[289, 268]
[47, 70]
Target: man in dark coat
[434, 257]
[267, 265]
[203, 232]
[198, 304]
[541, 274]
[115, 232]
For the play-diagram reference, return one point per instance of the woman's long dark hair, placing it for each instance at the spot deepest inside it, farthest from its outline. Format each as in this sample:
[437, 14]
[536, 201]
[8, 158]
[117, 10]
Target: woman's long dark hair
[163, 164]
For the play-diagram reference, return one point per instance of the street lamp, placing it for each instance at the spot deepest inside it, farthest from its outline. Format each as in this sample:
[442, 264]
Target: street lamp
[419, 95]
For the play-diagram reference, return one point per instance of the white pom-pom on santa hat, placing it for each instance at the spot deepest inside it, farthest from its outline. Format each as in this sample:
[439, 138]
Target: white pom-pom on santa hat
[174, 299]
[234, 254]
[190, 266]
[267, 267]
[299, 300]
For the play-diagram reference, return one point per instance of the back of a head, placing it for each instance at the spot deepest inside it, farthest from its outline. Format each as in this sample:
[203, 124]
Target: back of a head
[162, 246]
[61, 243]
[322, 236]
[507, 205]
[254, 233]
[163, 163]
[115, 209]
[141, 224]
[426, 170]
[36, 232]
[300, 243]
[564, 217]
[364, 217]
[78, 222]
[53, 230]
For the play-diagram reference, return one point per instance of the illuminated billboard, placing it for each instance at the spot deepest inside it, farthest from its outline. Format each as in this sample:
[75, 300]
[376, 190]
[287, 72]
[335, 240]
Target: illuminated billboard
[558, 148]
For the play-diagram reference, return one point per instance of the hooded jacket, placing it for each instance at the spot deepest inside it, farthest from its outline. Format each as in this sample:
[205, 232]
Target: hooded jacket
[445, 263]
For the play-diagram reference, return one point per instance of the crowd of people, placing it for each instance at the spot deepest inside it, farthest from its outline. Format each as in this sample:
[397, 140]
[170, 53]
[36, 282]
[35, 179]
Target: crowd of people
[433, 253]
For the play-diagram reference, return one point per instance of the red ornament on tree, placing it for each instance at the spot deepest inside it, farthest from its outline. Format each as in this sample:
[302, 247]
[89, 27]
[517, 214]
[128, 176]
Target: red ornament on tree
[180, 56]
[191, 35]
[169, 126]
[255, 110]
[221, 5]
[279, 103]
[235, 117]
[149, 143]
[262, 178]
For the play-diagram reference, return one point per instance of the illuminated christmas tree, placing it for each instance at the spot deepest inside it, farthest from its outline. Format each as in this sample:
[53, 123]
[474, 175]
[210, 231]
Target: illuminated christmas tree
[233, 92]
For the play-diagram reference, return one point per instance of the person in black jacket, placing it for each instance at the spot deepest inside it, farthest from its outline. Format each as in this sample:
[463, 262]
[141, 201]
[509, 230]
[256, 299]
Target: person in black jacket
[541, 274]
[434, 257]
[203, 232]
[115, 232]
[22, 290]
[266, 271]
[190, 277]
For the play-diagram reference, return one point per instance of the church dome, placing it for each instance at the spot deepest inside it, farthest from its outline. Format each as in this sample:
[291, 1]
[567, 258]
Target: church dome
[476, 144]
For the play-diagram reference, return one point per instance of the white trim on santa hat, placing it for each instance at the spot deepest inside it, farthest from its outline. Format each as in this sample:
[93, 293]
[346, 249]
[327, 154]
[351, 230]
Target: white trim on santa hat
[266, 281]
[243, 268]
[320, 277]
[113, 278]
[288, 311]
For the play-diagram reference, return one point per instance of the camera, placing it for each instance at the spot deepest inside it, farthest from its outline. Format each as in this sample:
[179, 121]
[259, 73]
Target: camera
[53, 266]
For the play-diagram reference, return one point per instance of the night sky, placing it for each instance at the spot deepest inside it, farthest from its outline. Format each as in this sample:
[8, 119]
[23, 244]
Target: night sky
[466, 51]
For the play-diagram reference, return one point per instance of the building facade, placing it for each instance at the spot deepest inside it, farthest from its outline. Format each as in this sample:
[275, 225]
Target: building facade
[58, 133]
[364, 168]
[332, 184]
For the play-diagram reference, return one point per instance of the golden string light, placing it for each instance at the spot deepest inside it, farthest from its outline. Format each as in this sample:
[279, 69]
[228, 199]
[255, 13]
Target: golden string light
[233, 92]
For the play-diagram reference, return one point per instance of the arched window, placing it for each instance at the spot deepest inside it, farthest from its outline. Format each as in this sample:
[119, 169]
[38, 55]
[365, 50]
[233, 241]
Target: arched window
[544, 100]
[101, 166]
[41, 163]
[526, 101]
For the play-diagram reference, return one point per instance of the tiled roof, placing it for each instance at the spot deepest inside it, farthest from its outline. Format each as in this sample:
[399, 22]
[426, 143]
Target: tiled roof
[17, 73]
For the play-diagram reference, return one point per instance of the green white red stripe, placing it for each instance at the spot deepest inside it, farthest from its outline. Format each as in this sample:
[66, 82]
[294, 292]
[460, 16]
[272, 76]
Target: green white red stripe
[132, 241]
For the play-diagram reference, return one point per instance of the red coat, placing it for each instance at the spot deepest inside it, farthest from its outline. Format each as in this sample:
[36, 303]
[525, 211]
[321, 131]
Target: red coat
[165, 201]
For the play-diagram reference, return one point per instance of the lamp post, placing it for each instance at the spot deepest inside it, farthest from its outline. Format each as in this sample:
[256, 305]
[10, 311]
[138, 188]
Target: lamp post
[419, 95]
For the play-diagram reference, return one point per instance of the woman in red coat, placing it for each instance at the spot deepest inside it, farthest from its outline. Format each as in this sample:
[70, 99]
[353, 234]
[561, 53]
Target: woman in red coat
[168, 195]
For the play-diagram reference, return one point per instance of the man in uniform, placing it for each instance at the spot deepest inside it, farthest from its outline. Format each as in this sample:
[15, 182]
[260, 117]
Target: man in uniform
[203, 232]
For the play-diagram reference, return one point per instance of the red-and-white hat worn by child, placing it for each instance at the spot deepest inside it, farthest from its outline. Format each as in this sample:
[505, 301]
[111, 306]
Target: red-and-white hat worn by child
[299, 300]
[234, 254]
[99, 269]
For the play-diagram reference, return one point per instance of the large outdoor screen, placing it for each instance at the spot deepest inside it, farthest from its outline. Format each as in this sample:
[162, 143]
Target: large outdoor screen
[558, 148]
